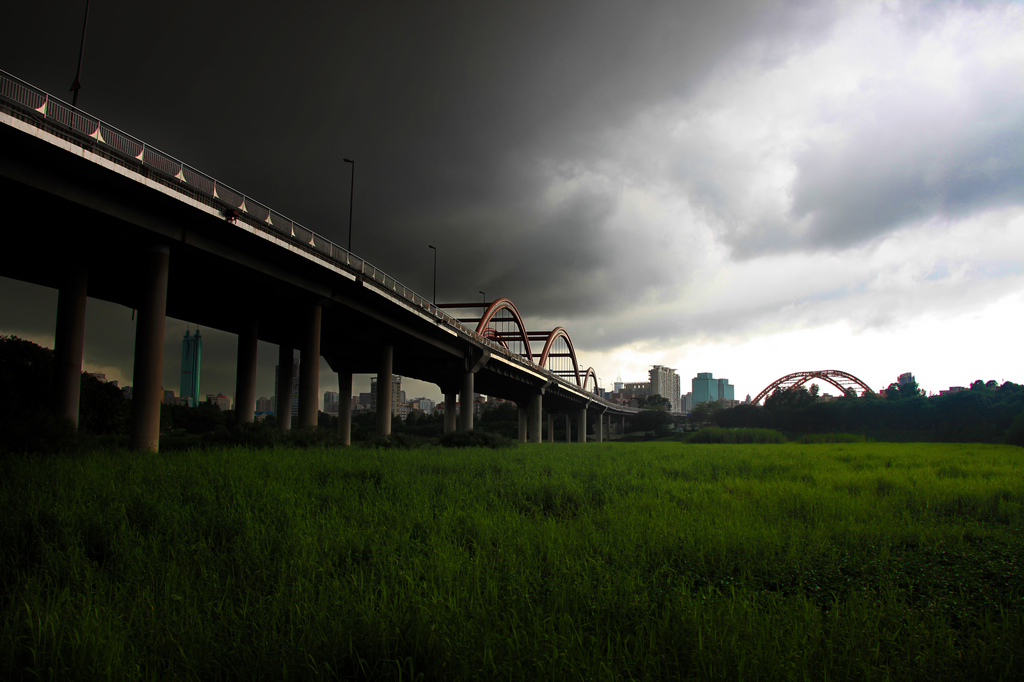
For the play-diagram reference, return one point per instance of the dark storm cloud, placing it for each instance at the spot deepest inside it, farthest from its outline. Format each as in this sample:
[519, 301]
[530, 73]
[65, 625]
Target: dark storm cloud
[444, 108]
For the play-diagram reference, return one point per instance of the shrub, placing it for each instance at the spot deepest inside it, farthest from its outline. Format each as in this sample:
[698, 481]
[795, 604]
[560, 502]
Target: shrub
[1015, 434]
[391, 441]
[716, 435]
[474, 439]
[831, 438]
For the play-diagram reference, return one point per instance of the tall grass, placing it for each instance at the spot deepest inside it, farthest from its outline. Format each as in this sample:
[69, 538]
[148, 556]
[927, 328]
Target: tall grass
[603, 561]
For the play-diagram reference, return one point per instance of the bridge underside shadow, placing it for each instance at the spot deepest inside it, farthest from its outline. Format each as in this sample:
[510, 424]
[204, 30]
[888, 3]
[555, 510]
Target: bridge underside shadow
[64, 215]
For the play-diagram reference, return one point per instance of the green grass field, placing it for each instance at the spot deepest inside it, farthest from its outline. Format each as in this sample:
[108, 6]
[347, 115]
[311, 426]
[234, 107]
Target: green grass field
[602, 561]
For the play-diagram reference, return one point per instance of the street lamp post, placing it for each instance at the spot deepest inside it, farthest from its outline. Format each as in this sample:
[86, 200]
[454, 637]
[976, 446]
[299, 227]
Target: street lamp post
[77, 85]
[484, 295]
[434, 248]
[351, 200]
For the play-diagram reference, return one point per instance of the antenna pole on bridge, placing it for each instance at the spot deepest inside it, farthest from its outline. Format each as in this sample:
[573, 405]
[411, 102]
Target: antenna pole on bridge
[77, 85]
[351, 200]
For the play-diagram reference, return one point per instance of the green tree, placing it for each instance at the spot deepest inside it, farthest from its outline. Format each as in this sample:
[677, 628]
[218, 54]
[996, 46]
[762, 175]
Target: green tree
[655, 402]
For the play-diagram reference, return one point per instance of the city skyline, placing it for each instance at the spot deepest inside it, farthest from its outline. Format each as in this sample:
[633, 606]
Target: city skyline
[744, 193]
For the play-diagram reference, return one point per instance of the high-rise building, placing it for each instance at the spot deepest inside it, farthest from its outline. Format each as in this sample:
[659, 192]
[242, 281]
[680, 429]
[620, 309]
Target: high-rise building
[706, 388]
[665, 382]
[397, 394]
[191, 354]
[331, 402]
[726, 391]
[636, 390]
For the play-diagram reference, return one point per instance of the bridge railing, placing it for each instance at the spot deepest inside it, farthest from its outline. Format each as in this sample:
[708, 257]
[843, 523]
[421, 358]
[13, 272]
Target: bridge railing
[39, 108]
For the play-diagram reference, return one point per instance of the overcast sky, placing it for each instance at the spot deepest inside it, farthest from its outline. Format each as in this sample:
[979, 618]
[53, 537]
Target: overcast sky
[744, 188]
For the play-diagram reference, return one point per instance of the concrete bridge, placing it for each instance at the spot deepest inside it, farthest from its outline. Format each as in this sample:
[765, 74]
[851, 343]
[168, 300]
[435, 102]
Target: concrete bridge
[77, 192]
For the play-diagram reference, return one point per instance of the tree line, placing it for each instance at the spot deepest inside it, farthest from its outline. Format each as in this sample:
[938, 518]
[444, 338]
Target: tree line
[984, 413]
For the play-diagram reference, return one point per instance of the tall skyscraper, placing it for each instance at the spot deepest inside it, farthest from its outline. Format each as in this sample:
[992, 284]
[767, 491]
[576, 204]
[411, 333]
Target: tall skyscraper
[397, 394]
[331, 402]
[191, 354]
[706, 388]
[665, 382]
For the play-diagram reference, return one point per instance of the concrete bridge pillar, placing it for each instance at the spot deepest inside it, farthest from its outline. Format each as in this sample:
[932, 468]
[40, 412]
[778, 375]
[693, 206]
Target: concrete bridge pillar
[581, 437]
[449, 412]
[345, 407]
[535, 419]
[147, 379]
[285, 372]
[523, 411]
[466, 402]
[245, 374]
[309, 371]
[568, 428]
[599, 429]
[69, 343]
[384, 374]
[551, 428]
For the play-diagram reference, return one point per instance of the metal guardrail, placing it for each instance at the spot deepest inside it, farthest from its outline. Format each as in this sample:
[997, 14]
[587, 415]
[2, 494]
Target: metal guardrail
[39, 108]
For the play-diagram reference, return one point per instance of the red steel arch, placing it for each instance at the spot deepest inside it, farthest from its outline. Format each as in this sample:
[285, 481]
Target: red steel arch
[494, 335]
[520, 334]
[844, 381]
[505, 304]
[549, 342]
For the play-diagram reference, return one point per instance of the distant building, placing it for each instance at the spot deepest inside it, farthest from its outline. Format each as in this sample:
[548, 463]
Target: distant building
[222, 402]
[168, 398]
[191, 355]
[367, 401]
[636, 390]
[265, 405]
[331, 402]
[905, 378]
[425, 405]
[397, 394]
[665, 382]
[708, 389]
[98, 376]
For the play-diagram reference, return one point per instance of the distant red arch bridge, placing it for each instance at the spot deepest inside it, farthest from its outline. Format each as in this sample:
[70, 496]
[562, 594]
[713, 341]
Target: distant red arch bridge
[844, 381]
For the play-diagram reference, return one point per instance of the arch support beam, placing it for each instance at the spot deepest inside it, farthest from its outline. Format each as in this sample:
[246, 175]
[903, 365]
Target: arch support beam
[450, 416]
[69, 343]
[535, 419]
[309, 371]
[285, 377]
[384, 380]
[466, 401]
[245, 373]
[345, 407]
[147, 379]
